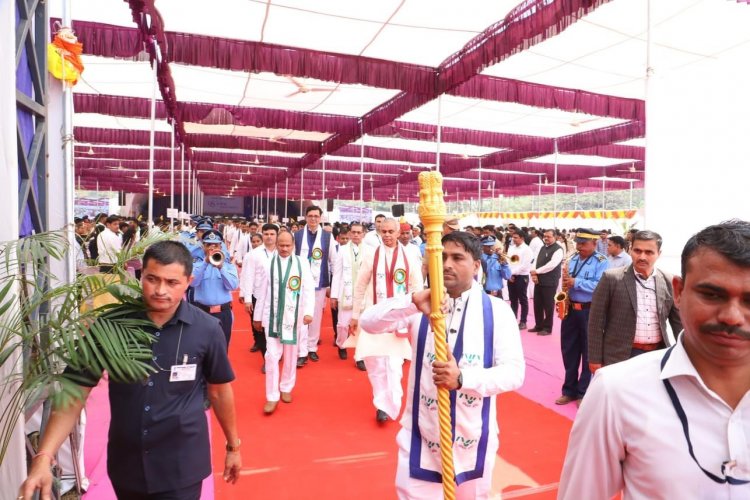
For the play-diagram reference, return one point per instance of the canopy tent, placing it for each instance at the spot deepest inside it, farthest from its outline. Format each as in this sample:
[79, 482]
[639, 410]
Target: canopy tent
[362, 96]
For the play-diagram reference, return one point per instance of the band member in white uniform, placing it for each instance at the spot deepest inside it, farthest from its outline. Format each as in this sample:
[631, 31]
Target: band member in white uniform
[385, 272]
[313, 243]
[284, 309]
[345, 272]
[485, 359]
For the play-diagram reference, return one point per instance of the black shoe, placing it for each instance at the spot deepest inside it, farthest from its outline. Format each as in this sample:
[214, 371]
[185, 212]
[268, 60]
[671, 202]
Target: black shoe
[314, 357]
[255, 348]
[381, 416]
[342, 354]
[522, 326]
[536, 329]
[361, 366]
[301, 362]
[544, 332]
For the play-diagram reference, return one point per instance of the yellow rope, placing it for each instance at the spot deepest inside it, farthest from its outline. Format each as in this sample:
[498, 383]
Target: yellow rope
[432, 214]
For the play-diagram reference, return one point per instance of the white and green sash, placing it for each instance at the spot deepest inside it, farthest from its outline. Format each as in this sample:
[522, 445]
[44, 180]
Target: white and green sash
[285, 297]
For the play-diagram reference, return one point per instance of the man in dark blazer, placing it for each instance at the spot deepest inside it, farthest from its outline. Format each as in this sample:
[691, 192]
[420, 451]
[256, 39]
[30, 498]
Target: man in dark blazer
[631, 307]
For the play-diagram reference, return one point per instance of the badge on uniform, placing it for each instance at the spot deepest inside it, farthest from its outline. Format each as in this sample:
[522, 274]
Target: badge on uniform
[183, 372]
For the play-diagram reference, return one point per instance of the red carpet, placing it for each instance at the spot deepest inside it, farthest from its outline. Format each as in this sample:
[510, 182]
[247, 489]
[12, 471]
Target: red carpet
[326, 443]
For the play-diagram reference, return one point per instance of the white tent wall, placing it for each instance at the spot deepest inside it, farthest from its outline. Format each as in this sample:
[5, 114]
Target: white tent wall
[697, 148]
[13, 468]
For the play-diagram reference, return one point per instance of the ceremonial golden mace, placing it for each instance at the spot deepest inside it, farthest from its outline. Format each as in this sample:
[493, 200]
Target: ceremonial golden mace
[432, 213]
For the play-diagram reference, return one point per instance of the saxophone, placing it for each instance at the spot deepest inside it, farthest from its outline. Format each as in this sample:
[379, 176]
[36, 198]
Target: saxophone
[562, 299]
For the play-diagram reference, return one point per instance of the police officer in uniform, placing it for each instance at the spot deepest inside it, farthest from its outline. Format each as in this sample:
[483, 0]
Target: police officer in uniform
[584, 271]
[213, 281]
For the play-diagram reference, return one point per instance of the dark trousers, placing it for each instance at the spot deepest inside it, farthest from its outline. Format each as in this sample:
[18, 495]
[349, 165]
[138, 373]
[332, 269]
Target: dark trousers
[574, 345]
[259, 336]
[335, 318]
[225, 316]
[192, 492]
[544, 306]
[518, 293]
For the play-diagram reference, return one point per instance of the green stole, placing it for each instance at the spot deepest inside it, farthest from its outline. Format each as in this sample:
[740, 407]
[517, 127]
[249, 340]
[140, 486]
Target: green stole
[275, 322]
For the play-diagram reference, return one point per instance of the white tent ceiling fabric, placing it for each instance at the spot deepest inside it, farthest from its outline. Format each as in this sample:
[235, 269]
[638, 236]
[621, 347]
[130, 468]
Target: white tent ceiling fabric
[605, 52]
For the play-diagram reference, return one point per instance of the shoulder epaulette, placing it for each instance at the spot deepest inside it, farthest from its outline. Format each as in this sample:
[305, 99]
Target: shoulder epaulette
[601, 257]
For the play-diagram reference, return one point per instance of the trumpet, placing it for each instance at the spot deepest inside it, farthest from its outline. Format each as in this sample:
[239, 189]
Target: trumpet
[562, 299]
[514, 259]
[216, 258]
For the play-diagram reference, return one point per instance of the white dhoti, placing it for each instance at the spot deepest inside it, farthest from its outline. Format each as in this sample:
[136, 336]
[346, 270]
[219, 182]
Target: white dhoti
[408, 488]
[313, 333]
[342, 327]
[385, 374]
[275, 351]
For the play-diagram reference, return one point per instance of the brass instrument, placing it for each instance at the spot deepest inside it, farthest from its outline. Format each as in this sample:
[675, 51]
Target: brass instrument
[216, 258]
[562, 299]
[514, 259]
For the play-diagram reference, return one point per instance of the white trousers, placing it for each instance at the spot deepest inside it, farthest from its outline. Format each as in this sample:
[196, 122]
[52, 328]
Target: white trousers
[408, 488]
[342, 328]
[385, 374]
[275, 350]
[313, 331]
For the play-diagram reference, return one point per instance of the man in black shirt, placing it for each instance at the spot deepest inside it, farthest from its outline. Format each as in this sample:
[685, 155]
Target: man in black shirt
[158, 437]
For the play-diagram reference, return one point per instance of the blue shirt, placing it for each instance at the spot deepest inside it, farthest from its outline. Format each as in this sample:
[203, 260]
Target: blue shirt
[494, 272]
[587, 273]
[622, 260]
[158, 435]
[213, 286]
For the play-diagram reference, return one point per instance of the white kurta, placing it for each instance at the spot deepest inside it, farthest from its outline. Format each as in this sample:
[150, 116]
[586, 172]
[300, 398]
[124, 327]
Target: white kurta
[381, 345]
[254, 265]
[505, 374]
[283, 382]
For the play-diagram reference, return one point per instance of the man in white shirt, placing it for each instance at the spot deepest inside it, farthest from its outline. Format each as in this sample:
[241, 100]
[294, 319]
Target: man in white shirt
[373, 238]
[519, 256]
[485, 359]
[416, 232]
[546, 277]
[385, 272]
[616, 254]
[412, 249]
[251, 281]
[109, 244]
[675, 423]
[345, 270]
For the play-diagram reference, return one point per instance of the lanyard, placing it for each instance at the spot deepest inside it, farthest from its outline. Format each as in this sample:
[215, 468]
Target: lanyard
[684, 421]
[176, 353]
[579, 267]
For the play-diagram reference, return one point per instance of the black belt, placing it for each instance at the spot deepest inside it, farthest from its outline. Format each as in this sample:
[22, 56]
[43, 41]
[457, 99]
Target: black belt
[579, 306]
[224, 307]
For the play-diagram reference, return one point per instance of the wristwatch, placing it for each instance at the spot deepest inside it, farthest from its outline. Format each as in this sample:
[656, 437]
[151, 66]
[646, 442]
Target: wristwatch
[460, 380]
[235, 447]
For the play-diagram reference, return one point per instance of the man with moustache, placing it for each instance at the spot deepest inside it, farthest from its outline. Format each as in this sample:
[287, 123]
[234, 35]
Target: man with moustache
[631, 307]
[585, 269]
[485, 359]
[158, 444]
[675, 423]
